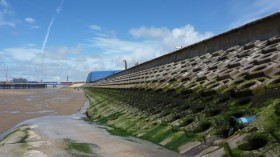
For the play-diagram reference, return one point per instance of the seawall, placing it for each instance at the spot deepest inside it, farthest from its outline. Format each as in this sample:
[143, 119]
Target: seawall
[193, 100]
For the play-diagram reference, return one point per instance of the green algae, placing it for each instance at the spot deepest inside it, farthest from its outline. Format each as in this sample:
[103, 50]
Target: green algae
[23, 138]
[10, 134]
[80, 149]
[156, 115]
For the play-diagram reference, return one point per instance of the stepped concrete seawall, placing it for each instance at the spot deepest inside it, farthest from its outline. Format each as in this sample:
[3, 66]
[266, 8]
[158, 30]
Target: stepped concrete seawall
[258, 30]
[193, 100]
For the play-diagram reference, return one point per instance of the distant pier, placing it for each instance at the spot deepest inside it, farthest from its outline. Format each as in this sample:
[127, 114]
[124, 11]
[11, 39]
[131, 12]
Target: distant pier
[22, 85]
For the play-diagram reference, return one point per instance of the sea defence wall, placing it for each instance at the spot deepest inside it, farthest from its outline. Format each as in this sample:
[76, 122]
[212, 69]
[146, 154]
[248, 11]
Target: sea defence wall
[217, 97]
[258, 30]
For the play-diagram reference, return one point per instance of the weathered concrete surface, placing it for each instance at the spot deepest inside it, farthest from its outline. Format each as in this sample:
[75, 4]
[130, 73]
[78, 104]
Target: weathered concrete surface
[198, 93]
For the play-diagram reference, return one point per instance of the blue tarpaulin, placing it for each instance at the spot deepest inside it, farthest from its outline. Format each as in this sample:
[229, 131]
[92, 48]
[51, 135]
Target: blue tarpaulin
[97, 75]
[243, 120]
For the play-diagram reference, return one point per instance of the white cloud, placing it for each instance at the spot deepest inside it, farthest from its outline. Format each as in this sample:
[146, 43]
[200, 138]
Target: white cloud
[53, 65]
[108, 53]
[169, 39]
[95, 27]
[149, 32]
[114, 51]
[30, 20]
[152, 42]
[20, 54]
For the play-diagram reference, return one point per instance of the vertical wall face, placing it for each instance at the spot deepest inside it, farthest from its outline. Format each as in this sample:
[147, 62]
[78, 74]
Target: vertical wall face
[258, 30]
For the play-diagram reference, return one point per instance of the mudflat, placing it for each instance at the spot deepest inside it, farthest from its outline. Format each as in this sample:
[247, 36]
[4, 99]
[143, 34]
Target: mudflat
[68, 136]
[17, 105]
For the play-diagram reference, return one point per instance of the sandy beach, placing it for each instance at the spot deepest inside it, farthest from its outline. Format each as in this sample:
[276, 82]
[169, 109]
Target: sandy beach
[17, 105]
[69, 136]
[60, 129]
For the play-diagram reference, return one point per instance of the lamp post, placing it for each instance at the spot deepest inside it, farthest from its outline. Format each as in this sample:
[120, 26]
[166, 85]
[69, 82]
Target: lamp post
[4, 70]
[6, 73]
[125, 64]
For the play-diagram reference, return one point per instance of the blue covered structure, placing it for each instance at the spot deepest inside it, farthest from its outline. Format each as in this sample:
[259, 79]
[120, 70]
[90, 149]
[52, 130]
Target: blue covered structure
[97, 75]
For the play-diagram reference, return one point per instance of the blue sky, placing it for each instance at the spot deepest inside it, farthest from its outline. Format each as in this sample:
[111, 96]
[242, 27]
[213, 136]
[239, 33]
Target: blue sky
[50, 39]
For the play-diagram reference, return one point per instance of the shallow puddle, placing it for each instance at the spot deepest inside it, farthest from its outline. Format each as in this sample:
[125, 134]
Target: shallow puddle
[58, 129]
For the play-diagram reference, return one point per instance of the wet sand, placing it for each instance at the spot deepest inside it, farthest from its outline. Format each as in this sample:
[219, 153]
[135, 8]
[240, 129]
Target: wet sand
[17, 105]
[49, 136]
[54, 134]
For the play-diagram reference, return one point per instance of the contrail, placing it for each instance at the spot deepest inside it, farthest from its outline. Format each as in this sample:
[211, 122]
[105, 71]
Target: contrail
[50, 26]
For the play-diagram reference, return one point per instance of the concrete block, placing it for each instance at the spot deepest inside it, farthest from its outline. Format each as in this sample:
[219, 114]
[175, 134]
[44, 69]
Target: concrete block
[191, 87]
[271, 48]
[227, 73]
[188, 76]
[273, 40]
[222, 58]
[248, 88]
[274, 82]
[207, 56]
[236, 62]
[254, 55]
[276, 70]
[234, 48]
[262, 70]
[217, 65]
[266, 58]
[186, 69]
[217, 53]
[247, 66]
[213, 87]
[203, 75]
[251, 45]
[199, 67]
[245, 53]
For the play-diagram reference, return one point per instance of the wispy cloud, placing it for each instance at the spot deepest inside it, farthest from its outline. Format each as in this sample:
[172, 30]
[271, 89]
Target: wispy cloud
[151, 42]
[20, 54]
[61, 61]
[26, 62]
[6, 15]
[50, 26]
[253, 10]
[30, 20]
[32, 23]
[95, 27]
[3, 3]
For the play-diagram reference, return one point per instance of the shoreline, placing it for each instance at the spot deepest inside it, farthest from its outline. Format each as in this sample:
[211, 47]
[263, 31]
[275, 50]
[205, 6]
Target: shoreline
[25, 122]
[64, 135]
[19, 105]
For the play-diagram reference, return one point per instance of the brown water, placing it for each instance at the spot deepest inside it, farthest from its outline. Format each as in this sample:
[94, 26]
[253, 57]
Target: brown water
[17, 105]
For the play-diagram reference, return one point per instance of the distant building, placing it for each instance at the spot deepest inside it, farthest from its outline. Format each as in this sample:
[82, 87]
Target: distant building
[66, 83]
[97, 75]
[71, 83]
[19, 80]
[51, 83]
[33, 82]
